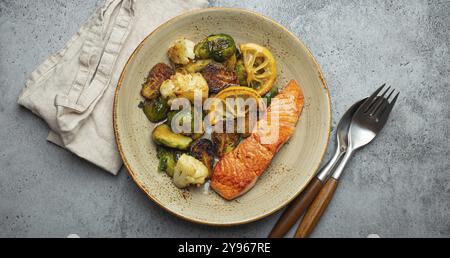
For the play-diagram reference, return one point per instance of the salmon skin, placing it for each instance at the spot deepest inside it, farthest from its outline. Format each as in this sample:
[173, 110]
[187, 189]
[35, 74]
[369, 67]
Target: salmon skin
[237, 172]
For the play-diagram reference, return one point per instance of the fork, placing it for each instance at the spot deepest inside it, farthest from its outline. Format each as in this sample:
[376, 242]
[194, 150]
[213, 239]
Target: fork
[367, 122]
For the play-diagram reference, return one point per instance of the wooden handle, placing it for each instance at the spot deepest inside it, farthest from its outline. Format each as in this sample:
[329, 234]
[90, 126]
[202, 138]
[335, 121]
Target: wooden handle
[316, 209]
[295, 210]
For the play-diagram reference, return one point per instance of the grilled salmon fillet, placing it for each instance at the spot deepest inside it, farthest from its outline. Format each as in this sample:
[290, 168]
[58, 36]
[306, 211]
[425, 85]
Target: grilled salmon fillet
[237, 172]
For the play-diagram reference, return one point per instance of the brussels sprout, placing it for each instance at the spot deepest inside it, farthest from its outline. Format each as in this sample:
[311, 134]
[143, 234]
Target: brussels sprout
[183, 118]
[220, 47]
[157, 75]
[219, 78]
[156, 110]
[167, 160]
[162, 135]
[241, 73]
[170, 116]
[272, 94]
[202, 50]
[203, 150]
[227, 141]
[230, 63]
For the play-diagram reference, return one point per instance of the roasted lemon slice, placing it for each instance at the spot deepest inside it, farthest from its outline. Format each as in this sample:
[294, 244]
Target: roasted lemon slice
[238, 91]
[219, 109]
[260, 66]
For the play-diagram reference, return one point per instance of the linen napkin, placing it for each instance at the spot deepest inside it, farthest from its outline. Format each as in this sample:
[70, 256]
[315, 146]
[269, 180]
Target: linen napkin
[73, 90]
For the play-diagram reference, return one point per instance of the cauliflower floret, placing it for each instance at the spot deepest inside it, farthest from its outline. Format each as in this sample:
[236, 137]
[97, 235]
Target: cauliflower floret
[185, 86]
[189, 171]
[167, 89]
[182, 51]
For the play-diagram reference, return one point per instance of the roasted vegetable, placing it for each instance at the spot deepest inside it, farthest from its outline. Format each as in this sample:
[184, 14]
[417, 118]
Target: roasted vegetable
[170, 117]
[231, 63]
[203, 150]
[167, 160]
[157, 75]
[189, 171]
[219, 78]
[220, 110]
[272, 94]
[220, 47]
[185, 123]
[156, 110]
[202, 50]
[162, 135]
[260, 66]
[225, 141]
[241, 73]
[185, 86]
[194, 66]
[181, 51]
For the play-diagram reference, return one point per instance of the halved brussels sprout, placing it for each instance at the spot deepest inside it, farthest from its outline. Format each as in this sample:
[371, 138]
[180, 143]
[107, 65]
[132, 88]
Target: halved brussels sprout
[182, 118]
[227, 141]
[162, 135]
[202, 50]
[220, 47]
[203, 150]
[157, 75]
[156, 110]
[231, 63]
[218, 77]
[167, 160]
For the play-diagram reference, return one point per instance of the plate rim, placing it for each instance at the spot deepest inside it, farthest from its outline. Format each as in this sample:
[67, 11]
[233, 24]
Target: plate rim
[131, 172]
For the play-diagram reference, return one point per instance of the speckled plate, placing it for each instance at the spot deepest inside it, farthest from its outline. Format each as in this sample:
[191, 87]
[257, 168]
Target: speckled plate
[291, 169]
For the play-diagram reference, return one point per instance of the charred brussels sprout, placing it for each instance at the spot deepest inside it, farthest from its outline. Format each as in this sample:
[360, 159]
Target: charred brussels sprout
[157, 75]
[156, 110]
[203, 150]
[227, 141]
[167, 160]
[218, 77]
[202, 50]
[185, 122]
[170, 116]
[220, 47]
[241, 73]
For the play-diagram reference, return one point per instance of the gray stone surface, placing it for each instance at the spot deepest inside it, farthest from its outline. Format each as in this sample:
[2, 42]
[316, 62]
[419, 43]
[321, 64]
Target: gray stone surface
[397, 187]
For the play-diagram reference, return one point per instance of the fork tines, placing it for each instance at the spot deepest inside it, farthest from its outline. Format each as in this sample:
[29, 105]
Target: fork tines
[376, 105]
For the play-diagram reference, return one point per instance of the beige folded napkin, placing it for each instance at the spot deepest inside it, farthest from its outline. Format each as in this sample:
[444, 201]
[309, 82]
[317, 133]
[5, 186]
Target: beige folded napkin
[73, 90]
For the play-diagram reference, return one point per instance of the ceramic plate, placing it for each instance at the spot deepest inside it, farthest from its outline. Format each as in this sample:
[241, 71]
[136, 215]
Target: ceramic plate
[292, 168]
